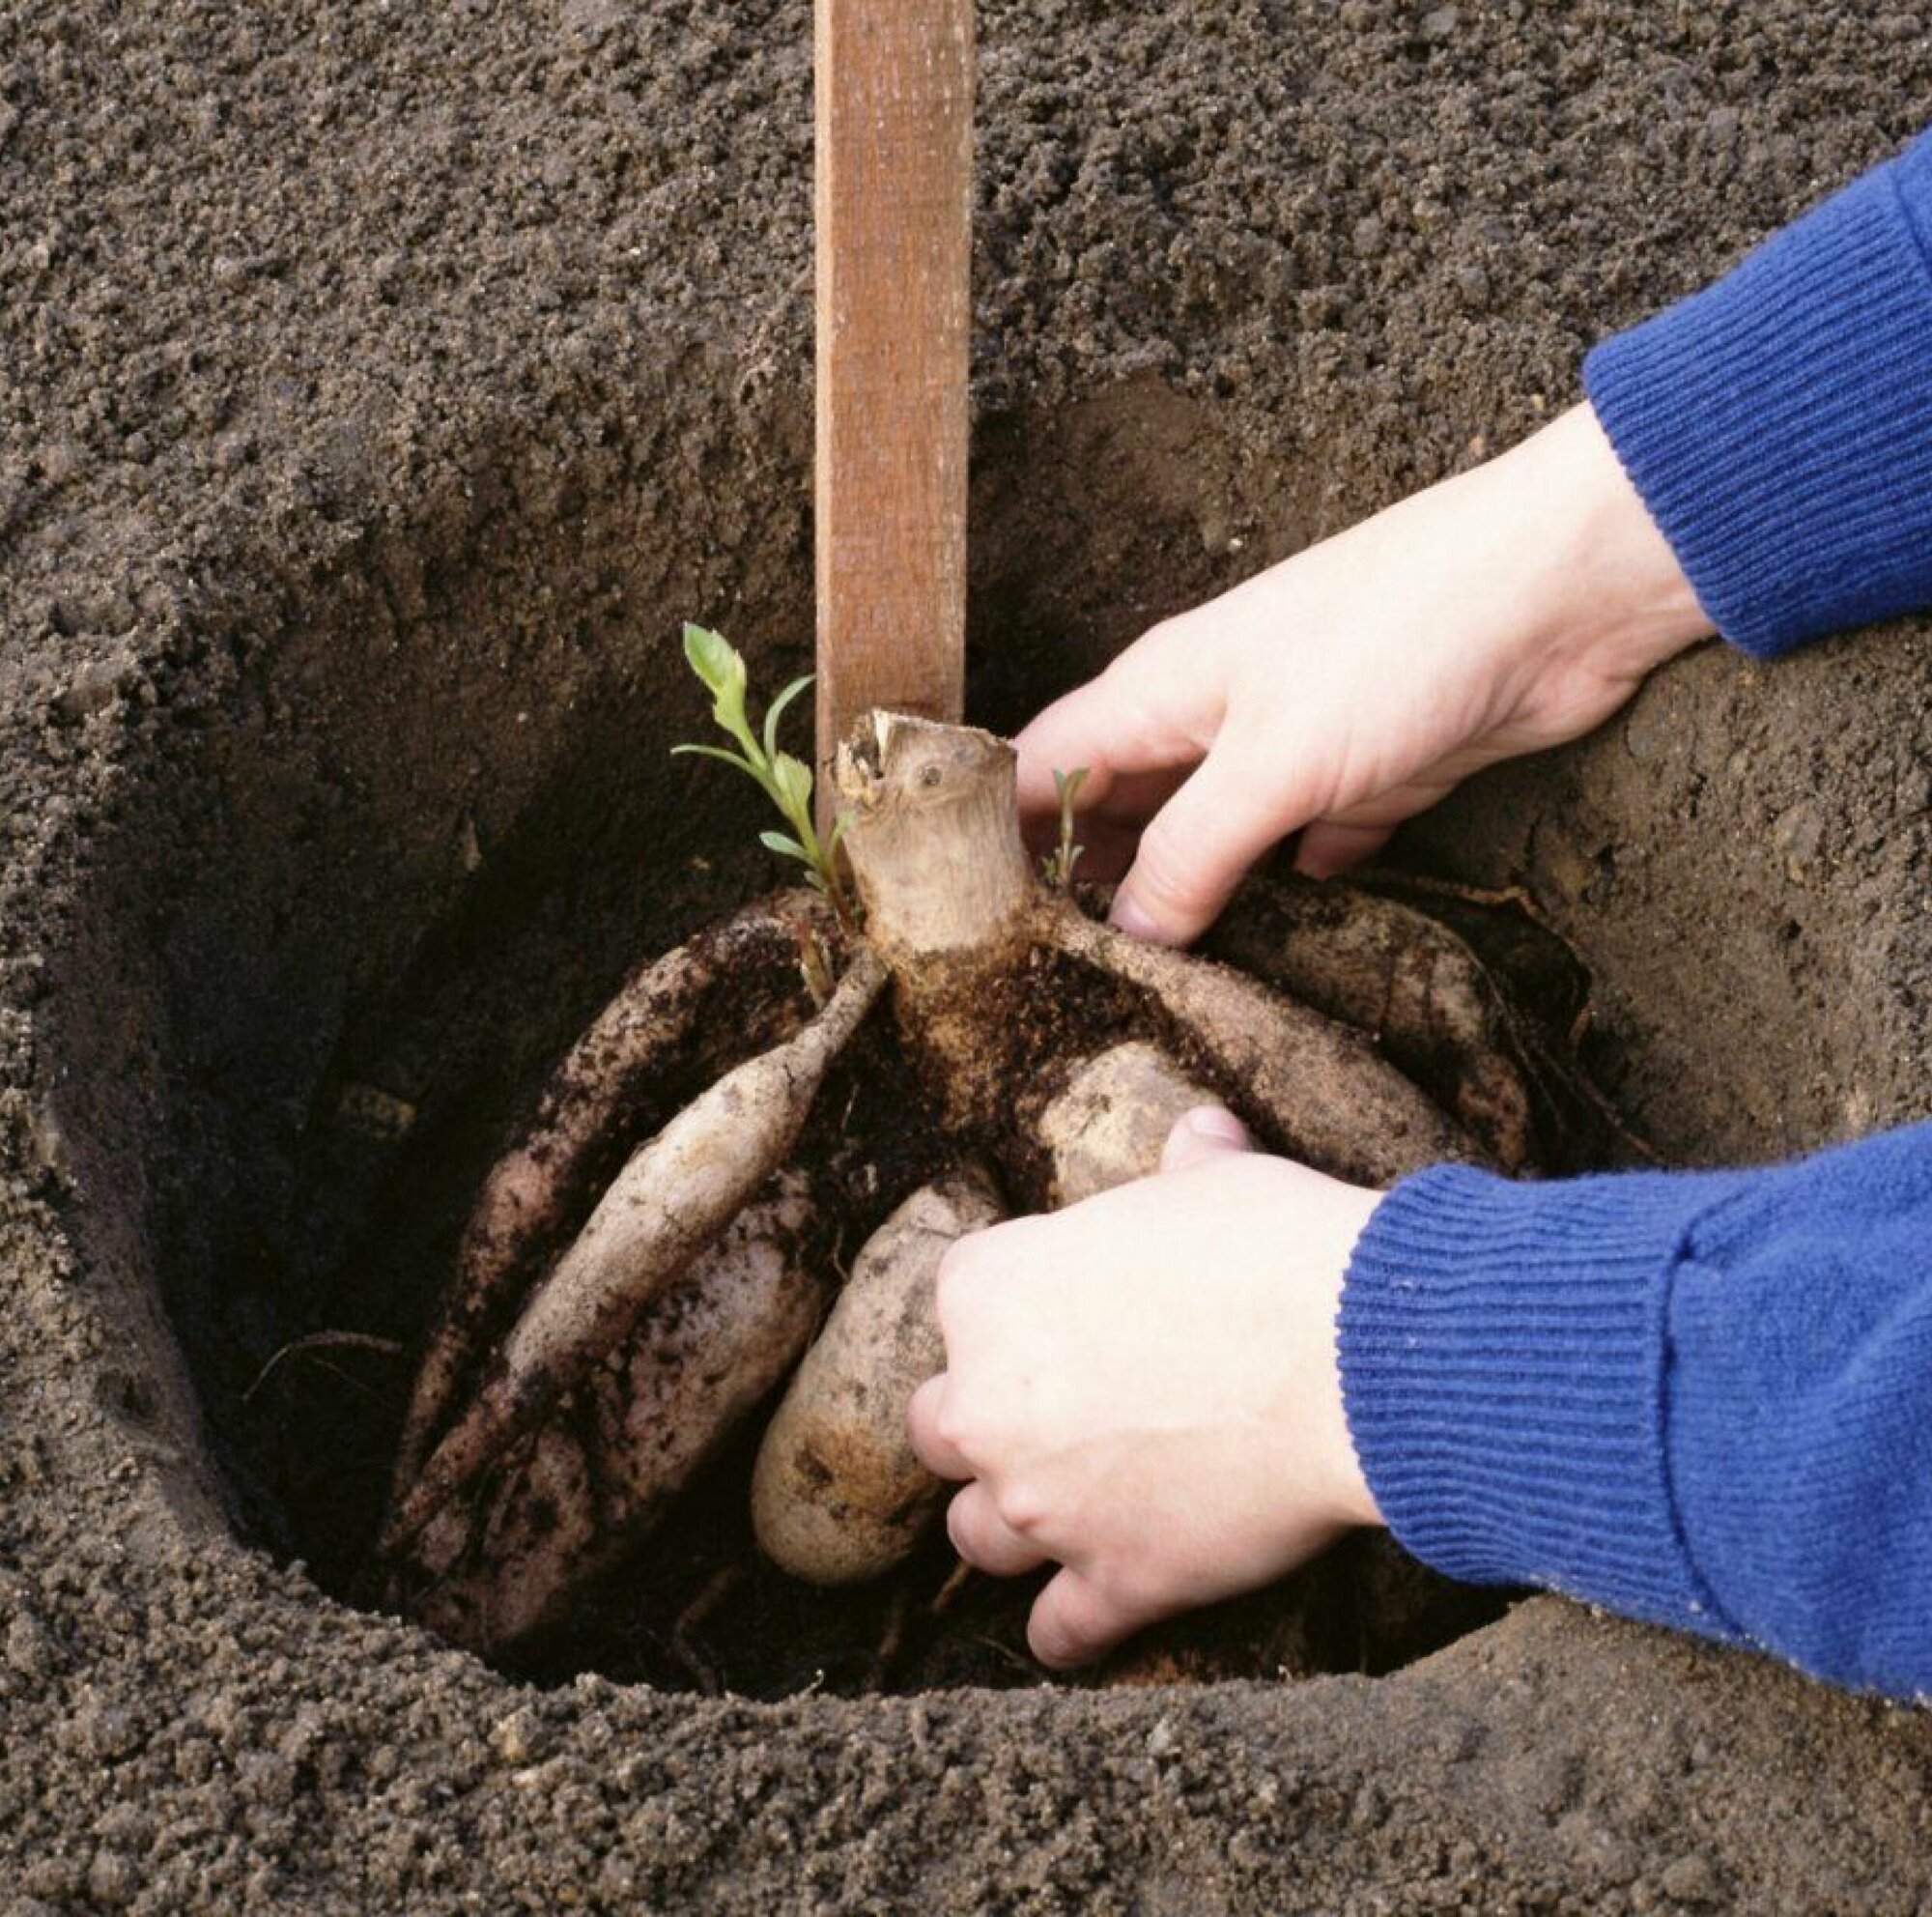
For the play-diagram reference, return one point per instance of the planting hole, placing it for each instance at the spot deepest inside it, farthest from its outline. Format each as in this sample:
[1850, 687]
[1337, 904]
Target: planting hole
[357, 909]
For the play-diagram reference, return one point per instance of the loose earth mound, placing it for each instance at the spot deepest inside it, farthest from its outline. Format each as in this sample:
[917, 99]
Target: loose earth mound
[382, 389]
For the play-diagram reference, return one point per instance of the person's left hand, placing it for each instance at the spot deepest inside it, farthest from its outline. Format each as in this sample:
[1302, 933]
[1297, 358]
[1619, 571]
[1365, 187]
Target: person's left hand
[1144, 1389]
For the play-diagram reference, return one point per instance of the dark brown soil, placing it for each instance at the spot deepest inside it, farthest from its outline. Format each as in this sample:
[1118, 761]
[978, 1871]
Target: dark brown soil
[382, 385]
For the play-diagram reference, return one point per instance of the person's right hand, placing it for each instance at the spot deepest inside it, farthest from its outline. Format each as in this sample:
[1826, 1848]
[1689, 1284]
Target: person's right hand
[1508, 609]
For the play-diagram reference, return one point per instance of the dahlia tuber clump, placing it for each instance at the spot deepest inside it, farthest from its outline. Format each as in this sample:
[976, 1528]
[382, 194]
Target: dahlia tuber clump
[611, 1325]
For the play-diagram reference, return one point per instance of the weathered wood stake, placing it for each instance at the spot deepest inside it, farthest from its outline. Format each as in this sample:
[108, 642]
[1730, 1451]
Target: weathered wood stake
[892, 207]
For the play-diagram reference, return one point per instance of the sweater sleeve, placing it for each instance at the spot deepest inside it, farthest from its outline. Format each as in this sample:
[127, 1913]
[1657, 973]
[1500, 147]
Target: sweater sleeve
[1779, 424]
[1700, 1399]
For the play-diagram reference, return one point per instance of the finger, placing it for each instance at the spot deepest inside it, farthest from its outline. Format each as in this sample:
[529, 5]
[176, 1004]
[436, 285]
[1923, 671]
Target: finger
[1152, 711]
[1136, 796]
[926, 1420]
[1207, 1131]
[1072, 1622]
[1336, 840]
[984, 1538]
[1197, 848]
[1331, 845]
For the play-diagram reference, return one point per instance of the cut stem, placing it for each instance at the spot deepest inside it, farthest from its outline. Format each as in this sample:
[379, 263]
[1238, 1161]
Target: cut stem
[934, 837]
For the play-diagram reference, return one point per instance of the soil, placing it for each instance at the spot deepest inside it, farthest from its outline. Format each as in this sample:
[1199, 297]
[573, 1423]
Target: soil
[383, 387]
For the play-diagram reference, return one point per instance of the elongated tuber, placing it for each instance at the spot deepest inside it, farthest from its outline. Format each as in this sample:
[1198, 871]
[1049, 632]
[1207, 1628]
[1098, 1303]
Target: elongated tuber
[591, 1114]
[837, 1494]
[1390, 970]
[676, 1194]
[595, 1480]
[1110, 1120]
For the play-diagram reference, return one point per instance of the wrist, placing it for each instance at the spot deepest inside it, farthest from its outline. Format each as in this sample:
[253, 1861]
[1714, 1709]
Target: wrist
[1611, 597]
[1352, 1500]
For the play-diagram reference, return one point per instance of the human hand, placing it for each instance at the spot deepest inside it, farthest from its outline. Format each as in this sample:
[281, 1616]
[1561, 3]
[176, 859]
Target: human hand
[1144, 1389]
[1505, 610]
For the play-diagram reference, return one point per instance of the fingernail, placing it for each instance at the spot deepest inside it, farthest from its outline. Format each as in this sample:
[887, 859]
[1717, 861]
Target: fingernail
[1215, 1124]
[1127, 916]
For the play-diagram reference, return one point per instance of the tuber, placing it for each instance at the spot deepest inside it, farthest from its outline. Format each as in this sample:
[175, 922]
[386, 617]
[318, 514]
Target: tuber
[504, 1560]
[837, 1494]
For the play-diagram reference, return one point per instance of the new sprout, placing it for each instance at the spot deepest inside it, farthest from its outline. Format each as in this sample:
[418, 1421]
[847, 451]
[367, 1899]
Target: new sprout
[785, 780]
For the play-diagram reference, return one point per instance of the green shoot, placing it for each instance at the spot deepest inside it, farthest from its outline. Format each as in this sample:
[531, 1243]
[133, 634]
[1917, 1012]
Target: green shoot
[785, 780]
[1060, 866]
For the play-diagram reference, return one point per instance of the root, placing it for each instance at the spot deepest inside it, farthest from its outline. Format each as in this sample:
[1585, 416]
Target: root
[947, 1594]
[589, 1116]
[676, 1194]
[838, 1494]
[1318, 1087]
[504, 1561]
[891, 1644]
[1508, 931]
[722, 1584]
[319, 1341]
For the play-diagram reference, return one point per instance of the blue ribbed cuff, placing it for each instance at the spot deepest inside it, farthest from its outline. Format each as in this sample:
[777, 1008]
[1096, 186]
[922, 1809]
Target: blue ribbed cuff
[1779, 424]
[1503, 1354]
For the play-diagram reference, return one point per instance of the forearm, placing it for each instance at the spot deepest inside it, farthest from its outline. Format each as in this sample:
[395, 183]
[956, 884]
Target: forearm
[1779, 424]
[1693, 1398]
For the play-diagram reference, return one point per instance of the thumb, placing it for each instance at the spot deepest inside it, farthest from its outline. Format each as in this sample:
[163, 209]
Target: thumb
[1207, 1131]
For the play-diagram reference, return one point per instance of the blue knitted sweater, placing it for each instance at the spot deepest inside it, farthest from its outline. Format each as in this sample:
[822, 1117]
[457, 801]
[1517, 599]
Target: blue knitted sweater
[1706, 1399]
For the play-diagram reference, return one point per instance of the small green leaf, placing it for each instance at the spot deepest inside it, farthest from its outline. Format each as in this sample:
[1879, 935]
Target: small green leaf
[777, 706]
[1068, 784]
[785, 779]
[713, 658]
[839, 826]
[719, 665]
[793, 779]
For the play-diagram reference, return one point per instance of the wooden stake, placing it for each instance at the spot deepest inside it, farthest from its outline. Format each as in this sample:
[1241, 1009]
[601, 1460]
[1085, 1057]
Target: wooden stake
[893, 205]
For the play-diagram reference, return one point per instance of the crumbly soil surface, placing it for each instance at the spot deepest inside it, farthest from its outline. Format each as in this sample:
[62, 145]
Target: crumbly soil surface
[380, 389]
